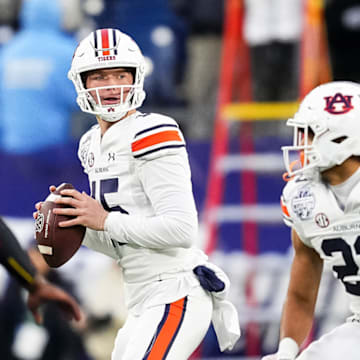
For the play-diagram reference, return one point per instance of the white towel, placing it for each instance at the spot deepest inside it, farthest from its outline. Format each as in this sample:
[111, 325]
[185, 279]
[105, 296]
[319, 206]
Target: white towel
[226, 323]
[225, 318]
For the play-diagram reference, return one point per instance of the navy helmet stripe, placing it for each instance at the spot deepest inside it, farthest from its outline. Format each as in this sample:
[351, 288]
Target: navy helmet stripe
[114, 42]
[153, 128]
[96, 43]
[157, 149]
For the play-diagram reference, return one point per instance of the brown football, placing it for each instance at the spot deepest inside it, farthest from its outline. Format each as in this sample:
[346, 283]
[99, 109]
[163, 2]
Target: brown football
[57, 245]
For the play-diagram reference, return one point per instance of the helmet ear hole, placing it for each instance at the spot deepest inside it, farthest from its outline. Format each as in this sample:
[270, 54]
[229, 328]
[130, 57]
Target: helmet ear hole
[132, 71]
[84, 77]
[311, 132]
[340, 139]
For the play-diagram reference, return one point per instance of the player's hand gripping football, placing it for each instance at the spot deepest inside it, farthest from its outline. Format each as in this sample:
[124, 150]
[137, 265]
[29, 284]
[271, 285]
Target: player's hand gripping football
[87, 211]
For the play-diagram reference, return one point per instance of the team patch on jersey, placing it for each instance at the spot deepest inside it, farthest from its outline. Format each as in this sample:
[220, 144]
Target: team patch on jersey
[91, 159]
[322, 220]
[303, 203]
[84, 149]
[156, 138]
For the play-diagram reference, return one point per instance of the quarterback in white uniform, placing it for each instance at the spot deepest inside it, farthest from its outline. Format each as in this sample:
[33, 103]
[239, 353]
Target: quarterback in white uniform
[141, 210]
[321, 203]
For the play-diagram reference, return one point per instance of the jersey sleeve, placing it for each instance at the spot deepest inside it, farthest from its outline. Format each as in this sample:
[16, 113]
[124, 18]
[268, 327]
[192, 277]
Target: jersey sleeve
[157, 136]
[99, 241]
[166, 183]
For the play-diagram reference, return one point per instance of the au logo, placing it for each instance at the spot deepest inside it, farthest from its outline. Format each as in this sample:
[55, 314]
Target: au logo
[338, 104]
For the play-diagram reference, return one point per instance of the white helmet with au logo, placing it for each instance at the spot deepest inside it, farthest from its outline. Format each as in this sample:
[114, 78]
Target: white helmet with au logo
[326, 128]
[107, 49]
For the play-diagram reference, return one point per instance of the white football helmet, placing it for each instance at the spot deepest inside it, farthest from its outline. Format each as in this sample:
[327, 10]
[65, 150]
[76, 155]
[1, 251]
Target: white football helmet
[105, 49]
[330, 114]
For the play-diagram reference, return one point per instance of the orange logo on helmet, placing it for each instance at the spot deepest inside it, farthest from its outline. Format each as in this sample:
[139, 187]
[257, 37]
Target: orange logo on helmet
[338, 104]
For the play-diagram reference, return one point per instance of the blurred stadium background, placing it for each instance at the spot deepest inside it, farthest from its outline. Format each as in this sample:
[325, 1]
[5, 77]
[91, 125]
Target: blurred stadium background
[230, 72]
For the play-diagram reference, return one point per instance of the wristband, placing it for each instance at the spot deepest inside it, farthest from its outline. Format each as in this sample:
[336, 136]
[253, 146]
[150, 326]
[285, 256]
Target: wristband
[288, 349]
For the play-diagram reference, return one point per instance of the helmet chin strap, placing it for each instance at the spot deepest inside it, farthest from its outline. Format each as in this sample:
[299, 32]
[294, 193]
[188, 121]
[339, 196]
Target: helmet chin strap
[113, 117]
[120, 117]
[108, 112]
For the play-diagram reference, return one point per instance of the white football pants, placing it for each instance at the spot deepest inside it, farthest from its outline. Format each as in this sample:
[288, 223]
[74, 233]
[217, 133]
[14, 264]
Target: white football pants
[341, 343]
[171, 331]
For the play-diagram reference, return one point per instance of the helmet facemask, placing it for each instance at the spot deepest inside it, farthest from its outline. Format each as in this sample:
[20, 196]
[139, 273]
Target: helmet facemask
[130, 97]
[301, 156]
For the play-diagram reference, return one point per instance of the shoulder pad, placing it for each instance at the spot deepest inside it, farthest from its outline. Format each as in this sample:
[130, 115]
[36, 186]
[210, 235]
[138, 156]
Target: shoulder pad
[155, 136]
[88, 134]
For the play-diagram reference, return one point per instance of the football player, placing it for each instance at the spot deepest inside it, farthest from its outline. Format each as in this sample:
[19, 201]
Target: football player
[18, 263]
[141, 210]
[321, 204]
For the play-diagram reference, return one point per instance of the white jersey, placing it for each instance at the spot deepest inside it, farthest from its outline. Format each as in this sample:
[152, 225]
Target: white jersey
[311, 208]
[139, 171]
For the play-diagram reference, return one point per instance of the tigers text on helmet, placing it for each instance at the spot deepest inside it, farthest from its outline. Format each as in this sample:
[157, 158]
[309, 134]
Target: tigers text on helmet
[108, 49]
[326, 128]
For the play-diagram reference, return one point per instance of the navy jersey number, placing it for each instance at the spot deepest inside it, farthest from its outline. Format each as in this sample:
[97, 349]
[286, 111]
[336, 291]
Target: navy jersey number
[107, 186]
[350, 268]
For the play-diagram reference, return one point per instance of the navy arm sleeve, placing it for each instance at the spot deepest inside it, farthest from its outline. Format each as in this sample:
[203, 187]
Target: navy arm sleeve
[14, 258]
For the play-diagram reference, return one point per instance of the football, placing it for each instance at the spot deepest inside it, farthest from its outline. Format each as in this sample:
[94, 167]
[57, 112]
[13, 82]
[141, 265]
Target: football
[57, 245]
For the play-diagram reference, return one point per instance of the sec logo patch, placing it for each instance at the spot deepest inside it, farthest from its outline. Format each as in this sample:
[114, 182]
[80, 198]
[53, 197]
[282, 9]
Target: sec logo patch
[322, 220]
